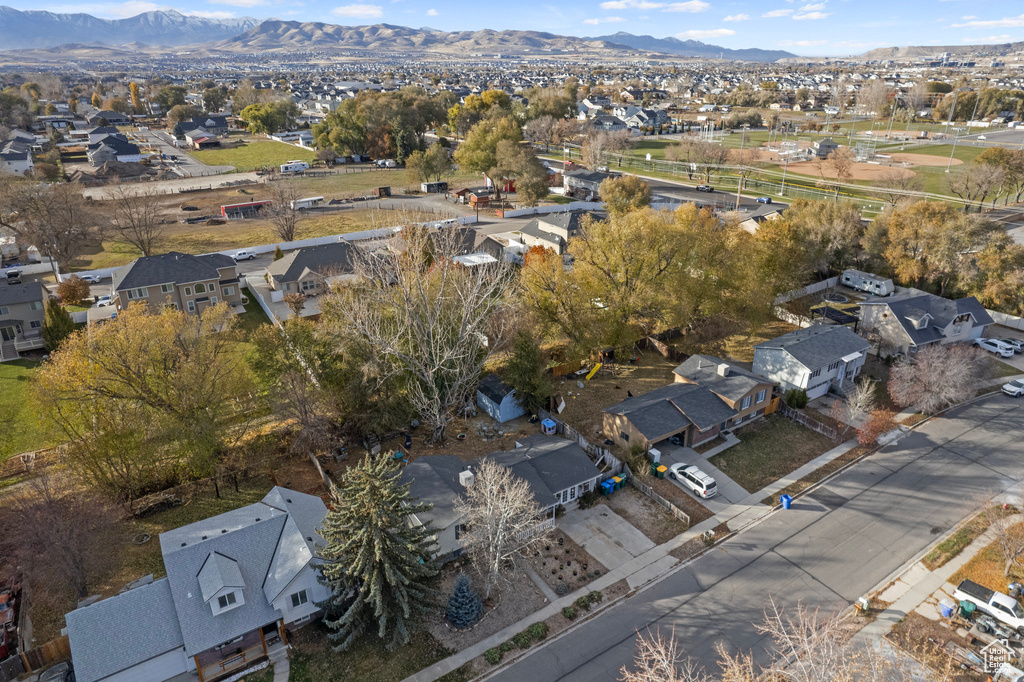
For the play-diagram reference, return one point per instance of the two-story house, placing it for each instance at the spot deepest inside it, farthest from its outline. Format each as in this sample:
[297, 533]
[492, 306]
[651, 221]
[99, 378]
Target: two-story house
[553, 230]
[812, 359]
[113, 148]
[182, 281]
[234, 583]
[22, 308]
[709, 395]
[909, 321]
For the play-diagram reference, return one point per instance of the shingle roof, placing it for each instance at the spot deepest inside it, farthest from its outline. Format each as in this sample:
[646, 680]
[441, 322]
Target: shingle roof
[818, 345]
[670, 409]
[170, 267]
[703, 370]
[494, 388]
[942, 311]
[435, 479]
[325, 260]
[567, 220]
[218, 572]
[13, 294]
[109, 636]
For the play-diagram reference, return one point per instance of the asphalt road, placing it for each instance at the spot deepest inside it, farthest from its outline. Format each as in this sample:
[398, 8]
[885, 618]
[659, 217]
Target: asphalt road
[834, 546]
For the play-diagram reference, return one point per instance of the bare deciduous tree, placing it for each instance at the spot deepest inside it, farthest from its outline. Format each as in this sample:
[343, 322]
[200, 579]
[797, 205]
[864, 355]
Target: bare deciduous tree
[936, 377]
[295, 302]
[1010, 536]
[426, 317]
[540, 131]
[840, 162]
[136, 216]
[282, 213]
[708, 157]
[502, 518]
[659, 659]
[900, 184]
[856, 407]
[975, 183]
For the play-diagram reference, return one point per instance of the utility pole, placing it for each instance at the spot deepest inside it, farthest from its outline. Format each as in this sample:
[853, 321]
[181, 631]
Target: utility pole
[785, 167]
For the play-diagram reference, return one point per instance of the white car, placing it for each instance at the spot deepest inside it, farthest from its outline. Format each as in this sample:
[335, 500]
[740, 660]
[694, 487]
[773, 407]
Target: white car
[243, 255]
[103, 302]
[982, 137]
[1016, 344]
[994, 346]
[1015, 388]
[689, 477]
[91, 279]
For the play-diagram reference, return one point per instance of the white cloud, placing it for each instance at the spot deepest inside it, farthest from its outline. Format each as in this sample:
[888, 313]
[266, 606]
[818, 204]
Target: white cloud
[210, 15]
[711, 33]
[989, 39]
[777, 13]
[603, 20]
[431, 12]
[812, 7]
[811, 16]
[968, 17]
[1006, 22]
[359, 11]
[737, 17]
[240, 3]
[631, 4]
[801, 43]
[691, 7]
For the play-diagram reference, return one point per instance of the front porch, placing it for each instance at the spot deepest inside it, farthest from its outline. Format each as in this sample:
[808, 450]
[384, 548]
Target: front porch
[14, 340]
[240, 654]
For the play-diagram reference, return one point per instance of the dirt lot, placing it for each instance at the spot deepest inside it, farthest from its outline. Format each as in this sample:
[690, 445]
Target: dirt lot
[511, 602]
[478, 442]
[739, 347]
[923, 159]
[915, 634]
[560, 561]
[646, 515]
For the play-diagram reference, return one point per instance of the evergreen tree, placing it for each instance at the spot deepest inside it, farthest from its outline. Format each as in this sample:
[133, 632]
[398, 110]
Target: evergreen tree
[278, 253]
[377, 566]
[57, 325]
[525, 372]
[464, 606]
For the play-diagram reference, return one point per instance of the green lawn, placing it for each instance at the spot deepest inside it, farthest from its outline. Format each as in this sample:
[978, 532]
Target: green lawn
[254, 316]
[965, 151]
[251, 155]
[21, 419]
[769, 450]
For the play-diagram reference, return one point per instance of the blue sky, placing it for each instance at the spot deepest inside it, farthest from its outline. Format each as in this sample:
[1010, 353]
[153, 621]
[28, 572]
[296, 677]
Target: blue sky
[807, 27]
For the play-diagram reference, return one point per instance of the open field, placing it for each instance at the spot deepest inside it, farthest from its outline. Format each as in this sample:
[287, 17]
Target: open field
[20, 419]
[247, 156]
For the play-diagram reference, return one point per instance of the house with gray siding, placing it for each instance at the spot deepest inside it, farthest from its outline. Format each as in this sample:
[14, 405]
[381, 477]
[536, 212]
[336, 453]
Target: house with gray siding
[178, 280]
[813, 359]
[909, 321]
[306, 271]
[235, 583]
[22, 308]
[557, 470]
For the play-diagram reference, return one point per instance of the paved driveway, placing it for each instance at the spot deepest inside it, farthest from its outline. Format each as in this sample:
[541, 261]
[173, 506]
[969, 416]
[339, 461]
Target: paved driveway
[834, 546]
[605, 535]
[729, 492]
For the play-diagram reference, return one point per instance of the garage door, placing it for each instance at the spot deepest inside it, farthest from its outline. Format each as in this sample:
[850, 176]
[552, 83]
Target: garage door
[158, 669]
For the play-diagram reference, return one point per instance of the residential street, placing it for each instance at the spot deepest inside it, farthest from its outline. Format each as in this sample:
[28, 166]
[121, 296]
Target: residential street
[831, 548]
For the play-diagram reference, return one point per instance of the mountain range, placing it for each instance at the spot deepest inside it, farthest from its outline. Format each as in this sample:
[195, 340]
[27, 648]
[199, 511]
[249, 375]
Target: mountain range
[692, 48]
[33, 29]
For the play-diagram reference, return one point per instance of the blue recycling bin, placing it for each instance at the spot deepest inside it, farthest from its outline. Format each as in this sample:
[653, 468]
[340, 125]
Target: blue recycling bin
[787, 501]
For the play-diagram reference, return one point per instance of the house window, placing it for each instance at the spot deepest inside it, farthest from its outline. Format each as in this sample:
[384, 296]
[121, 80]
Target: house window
[460, 530]
[166, 288]
[745, 403]
[213, 300]
[191, 306]
[226, 600]
[228, 291]
[36, 305]
[957, 329]
[134, 294]
[212, 288]
[815, 372]
[624, 436]
[200, 288]
[308, 284]
[299, 598]
[4, 310]
[761, 395]
[188, 291]
[835, 365]
[35, 324]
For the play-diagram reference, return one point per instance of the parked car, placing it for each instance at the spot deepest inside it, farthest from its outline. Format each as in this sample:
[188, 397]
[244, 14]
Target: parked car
[103, 302]
[91, 279]
[14, 276]
[982, 137]
[705, 188]
[1014, 389]
[243, 255]
[1000, 606]
[1016, 344]
[764, 200]
[994, 346]
[689, 477]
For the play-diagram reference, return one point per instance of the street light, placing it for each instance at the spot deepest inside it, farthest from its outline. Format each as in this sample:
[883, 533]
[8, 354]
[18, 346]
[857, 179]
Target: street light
[785, 167]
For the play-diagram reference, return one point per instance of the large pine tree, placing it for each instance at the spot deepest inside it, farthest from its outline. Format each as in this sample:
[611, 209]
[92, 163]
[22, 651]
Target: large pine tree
[377, 565]
[57, 325]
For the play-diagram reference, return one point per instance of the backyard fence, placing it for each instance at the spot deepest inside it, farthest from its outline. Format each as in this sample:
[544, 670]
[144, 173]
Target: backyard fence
[649, 492]
[807, 290]
[812, 424]
[598, 454]
[54, 651]
[11, 669]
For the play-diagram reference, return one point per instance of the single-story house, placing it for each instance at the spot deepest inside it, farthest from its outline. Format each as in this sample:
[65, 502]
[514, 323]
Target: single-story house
[99, 132]
[557, 470]
[214, 125]
[234, 583]
[585, 181]
[688, 409]
[909, 321]
[108, 118]
[498, 399]
[813, 359]
[309, 270]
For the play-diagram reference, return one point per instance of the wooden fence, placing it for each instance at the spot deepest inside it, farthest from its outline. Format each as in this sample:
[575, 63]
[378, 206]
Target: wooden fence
[810, 423]
[601, 456]
[649, 492]
[54, 651]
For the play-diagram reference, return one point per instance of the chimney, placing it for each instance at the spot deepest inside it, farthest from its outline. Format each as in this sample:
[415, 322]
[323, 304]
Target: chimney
[723, 369]
[466, 478]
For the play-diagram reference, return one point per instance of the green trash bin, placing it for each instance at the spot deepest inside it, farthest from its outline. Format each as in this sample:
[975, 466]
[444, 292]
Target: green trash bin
[654, 469]
[967, 609]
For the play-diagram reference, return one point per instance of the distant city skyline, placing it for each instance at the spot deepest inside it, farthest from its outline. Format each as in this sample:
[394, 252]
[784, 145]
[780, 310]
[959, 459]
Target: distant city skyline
[808, 27]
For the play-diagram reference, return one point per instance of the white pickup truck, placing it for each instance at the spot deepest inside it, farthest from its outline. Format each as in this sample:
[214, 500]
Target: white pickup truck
[1000, 606]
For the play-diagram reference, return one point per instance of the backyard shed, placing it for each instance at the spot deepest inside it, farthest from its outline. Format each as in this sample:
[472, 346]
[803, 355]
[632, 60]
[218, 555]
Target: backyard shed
[498, 399]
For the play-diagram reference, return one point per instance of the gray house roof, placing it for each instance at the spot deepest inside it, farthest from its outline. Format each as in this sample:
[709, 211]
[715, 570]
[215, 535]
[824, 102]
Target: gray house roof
[914, 306]
[533, 229]
[435, 480]
[567, 220]
[704, 370]
[218, 572]
[173, 267]
[108, 636]
[818, 345]
[670, 409]
[13, 294]
[494, 388]
[325, 260]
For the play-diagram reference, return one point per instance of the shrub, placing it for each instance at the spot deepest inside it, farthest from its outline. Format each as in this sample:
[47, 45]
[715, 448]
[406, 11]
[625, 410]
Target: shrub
[570, 612]
[523, 640]
[538, 631]
[588, 499]
[507, 646]
[796, 398]
[561, 589]
[493, 656]
[560, 511]
[464, 606]
[584, 602]
[595, 597]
